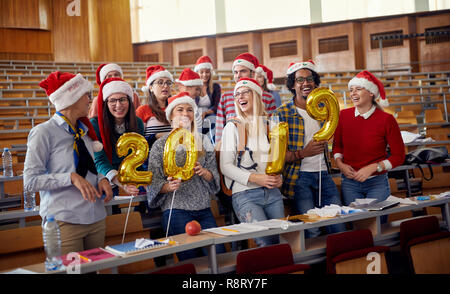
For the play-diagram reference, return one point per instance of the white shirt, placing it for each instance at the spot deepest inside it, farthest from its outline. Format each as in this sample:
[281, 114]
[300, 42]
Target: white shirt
[204, 103]
[311, 126]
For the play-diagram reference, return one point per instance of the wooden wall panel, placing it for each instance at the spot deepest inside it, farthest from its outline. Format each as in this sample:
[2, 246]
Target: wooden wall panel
[397, 54]
[336, 61]
[433, 53]
[252, 40]
[25, 44]
[279, 64]
[206, 44]
[31, 14]
[163, 49]
[70, 33]
[110, 30]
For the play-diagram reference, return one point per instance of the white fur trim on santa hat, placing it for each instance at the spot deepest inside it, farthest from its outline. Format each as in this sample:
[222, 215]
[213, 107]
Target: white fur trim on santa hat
[243, 62]
[190, 83]
[205, 65]
[117, 87]
[383, 102]
[177, 101]
[70, 92]
[271, 87]
[366, 84]
[155, 76]
[249, 84]
[109, 68]
[259, 70]
[301, 65]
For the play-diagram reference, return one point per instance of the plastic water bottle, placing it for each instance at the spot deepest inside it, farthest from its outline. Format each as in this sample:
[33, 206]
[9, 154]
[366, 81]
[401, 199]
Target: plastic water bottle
[29, 200]
[7, 163]
[52, 244]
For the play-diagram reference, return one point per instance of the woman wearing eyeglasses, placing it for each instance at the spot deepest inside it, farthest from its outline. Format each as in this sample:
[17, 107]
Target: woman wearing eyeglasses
[158, 88]
[256, 196]
[116, 116]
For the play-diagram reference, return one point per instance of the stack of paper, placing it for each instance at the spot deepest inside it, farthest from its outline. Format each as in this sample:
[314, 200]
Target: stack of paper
[242, 228]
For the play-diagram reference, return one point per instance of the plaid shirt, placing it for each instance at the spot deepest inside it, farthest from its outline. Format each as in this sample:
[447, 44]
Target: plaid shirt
[287, 112]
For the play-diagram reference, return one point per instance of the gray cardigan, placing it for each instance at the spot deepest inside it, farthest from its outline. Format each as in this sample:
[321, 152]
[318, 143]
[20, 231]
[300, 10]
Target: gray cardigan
[193, 194]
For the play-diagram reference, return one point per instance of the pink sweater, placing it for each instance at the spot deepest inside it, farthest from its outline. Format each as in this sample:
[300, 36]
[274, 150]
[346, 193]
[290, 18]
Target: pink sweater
[364, 141]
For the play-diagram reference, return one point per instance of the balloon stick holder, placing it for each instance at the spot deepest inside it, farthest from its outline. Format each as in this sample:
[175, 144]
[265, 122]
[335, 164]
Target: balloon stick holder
[170, 214]
[126, 220]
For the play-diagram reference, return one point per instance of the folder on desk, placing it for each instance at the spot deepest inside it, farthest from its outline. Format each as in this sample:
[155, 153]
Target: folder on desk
[381, 205]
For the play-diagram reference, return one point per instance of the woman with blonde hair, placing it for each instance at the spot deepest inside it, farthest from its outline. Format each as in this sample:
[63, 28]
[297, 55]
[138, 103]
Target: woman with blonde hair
[255, 195]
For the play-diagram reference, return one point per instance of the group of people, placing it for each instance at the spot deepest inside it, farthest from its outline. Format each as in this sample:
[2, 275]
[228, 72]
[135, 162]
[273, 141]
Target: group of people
[73, 161]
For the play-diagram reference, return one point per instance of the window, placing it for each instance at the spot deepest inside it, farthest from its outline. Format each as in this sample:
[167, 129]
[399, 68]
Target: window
[283, 49]
[388, 41]
[438, 35]
[189, 57]
[333, 44]
[230, 53]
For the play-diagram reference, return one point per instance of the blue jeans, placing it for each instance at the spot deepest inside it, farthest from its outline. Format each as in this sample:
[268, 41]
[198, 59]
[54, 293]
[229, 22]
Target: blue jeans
[257, 205]
[306, 197]
[178, 221]
[376, 187]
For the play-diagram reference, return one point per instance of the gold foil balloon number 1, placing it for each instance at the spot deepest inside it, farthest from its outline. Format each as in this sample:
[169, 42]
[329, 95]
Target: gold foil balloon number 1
[278, 137]
[127, 174]
[329, 112]
[178, 137]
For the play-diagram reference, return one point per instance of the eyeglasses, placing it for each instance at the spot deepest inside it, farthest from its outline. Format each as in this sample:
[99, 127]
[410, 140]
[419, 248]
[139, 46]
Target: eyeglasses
[166, 83]
[309, 79]
[238, 94]
[121, 100]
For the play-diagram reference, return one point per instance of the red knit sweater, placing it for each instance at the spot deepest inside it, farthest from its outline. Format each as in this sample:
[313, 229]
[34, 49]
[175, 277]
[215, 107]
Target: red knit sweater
[364, 141]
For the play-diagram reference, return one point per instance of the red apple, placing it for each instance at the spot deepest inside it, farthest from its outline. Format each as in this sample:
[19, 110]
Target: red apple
[192, 228]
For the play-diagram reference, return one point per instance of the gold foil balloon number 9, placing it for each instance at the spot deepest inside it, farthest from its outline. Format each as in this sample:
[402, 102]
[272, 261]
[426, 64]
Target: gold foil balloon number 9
[278, 137]
[139, 151]
[178, 137]
[329, 112]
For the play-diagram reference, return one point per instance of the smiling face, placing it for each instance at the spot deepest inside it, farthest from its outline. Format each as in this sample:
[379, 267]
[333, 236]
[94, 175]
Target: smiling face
[81, 107]
[304, 83]
[182, 116]
[241, 71]
[244, 100]
[118, 105]
[205, 74]
[361, 97]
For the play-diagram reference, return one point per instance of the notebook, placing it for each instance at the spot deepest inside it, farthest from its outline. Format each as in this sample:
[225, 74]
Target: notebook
[87, 256]
[129, 248]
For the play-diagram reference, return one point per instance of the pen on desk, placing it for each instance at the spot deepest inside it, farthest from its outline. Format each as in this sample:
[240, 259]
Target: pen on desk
[225, 229]
[84, 258]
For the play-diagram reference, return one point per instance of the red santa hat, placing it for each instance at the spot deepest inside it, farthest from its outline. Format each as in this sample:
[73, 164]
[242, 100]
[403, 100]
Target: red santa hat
[250, 83]
[181, 98]
[369, 82]
[246, 59]
[104, 69]
[268, 75]
[203, 62]
[155, 72]
[295, 66]
[107, 88]
[65, 89]
[189, 78]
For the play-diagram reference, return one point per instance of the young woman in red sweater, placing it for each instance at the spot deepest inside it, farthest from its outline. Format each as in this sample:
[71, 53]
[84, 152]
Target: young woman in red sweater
[361, 139]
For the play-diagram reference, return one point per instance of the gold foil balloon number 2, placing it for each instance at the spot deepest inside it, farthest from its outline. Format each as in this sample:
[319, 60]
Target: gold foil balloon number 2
[329, 112]
[127, 174]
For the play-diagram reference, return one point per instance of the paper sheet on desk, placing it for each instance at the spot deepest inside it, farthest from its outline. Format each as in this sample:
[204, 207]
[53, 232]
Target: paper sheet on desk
[273, 223]
[402, 200]
[242, 228]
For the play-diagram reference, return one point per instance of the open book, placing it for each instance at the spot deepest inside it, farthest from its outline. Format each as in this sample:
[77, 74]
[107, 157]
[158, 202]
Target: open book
[242, 228]
[129, 248]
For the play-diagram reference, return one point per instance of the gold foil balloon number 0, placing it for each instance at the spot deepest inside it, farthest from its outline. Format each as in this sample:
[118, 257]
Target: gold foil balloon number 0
[178, 137]
[139, 152]
[329, 112]
[278, 137]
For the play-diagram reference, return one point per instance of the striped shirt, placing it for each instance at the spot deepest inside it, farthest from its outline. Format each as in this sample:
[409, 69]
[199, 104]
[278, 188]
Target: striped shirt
[226, 111]
[152, 125]
[287, 112]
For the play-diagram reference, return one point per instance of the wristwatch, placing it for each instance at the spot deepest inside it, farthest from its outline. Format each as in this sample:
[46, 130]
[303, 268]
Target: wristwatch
[379, 167]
